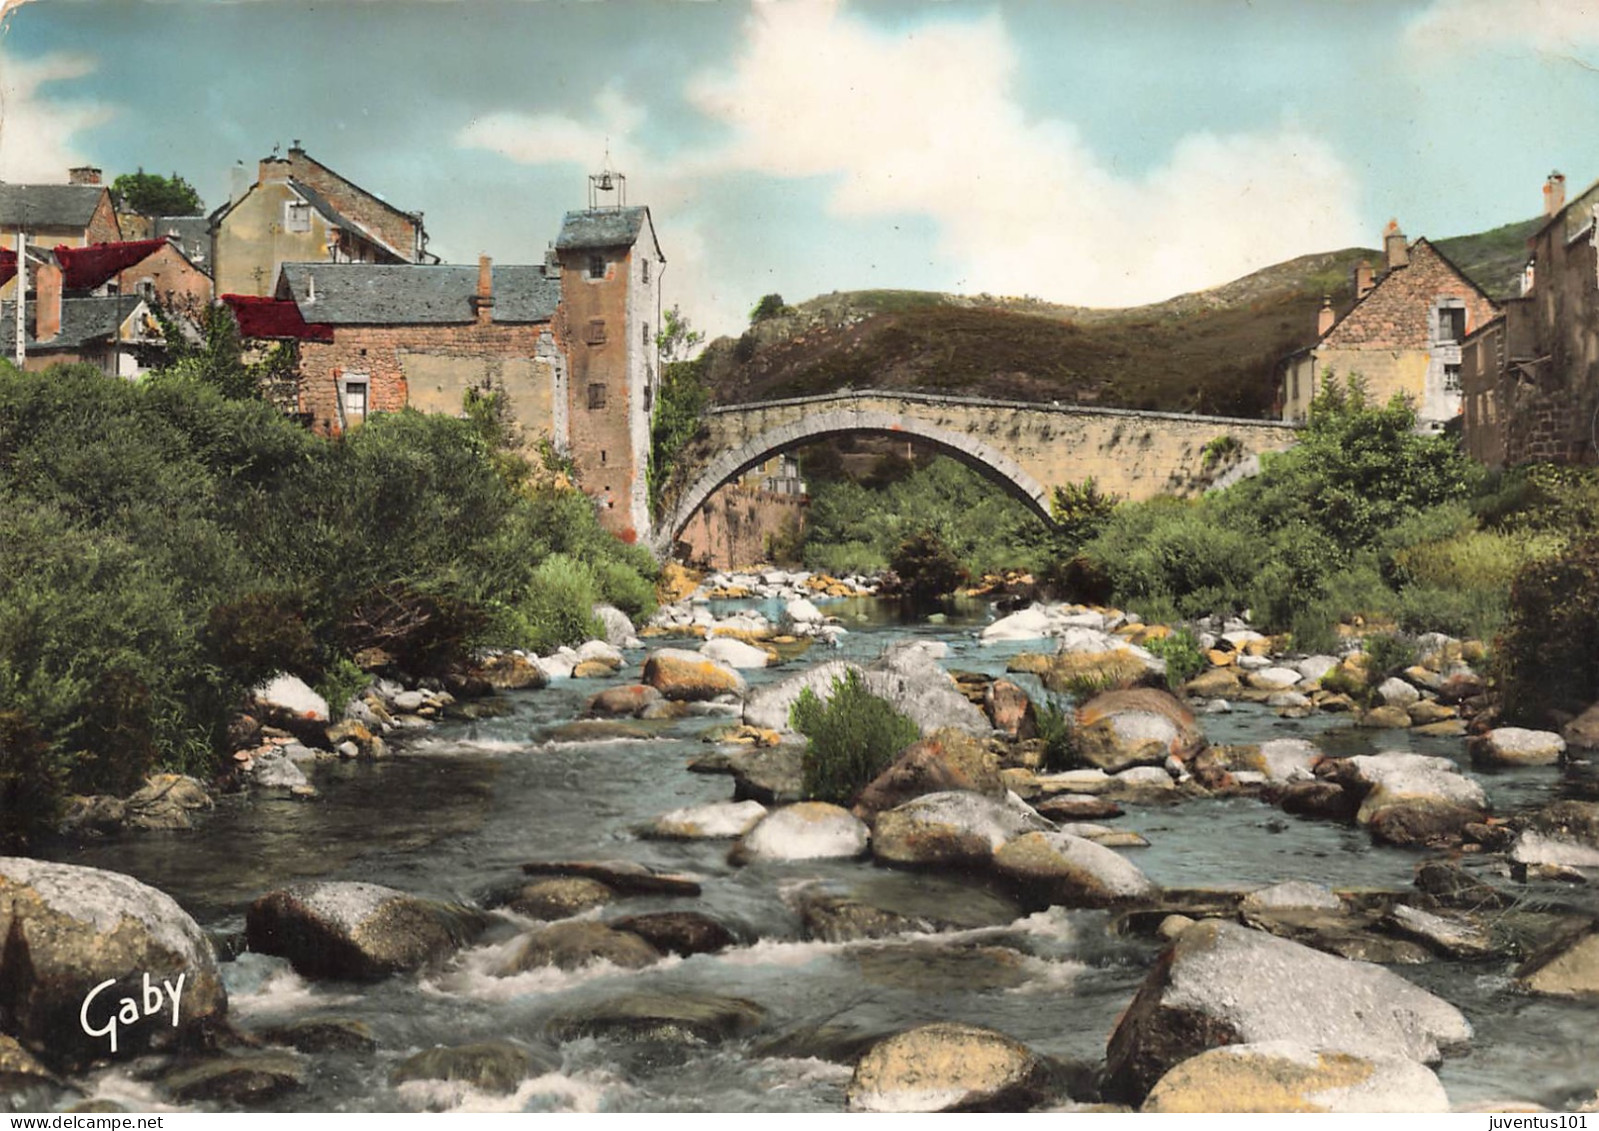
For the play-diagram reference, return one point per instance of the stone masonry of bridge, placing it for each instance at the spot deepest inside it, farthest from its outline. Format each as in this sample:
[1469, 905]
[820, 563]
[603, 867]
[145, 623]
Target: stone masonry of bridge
[1029, 449]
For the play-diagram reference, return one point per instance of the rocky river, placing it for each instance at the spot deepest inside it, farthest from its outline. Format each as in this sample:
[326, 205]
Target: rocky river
[592, 924]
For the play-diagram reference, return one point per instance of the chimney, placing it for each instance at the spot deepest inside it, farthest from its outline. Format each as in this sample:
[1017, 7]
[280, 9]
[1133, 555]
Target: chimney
[1393, 246]
[1554, 193]
[1363, 282]
[83, 175]
[272, 169]
[1325, 317]
[47, 303]
[483, 300]
[239, 182]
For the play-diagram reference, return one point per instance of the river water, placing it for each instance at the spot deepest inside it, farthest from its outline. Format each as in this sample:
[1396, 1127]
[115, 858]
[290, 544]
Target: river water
[460, 809]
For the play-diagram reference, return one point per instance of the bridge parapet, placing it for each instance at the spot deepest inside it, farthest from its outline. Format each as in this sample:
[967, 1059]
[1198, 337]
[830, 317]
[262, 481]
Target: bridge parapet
[1029, 449]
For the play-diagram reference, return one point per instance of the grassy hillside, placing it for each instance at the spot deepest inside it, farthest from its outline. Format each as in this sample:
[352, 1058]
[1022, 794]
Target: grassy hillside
[1215, 351]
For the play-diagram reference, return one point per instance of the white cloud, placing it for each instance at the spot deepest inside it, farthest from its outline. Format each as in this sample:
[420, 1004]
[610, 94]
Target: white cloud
[1554, 26]
[559, 138]
[927, 124]
[36, 131]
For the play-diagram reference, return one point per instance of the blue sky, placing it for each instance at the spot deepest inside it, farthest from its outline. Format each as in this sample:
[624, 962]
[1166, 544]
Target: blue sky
[1085, 152]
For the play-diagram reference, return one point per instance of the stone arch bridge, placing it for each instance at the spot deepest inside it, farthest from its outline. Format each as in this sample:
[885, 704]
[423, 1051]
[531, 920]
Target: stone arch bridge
[1027, 449]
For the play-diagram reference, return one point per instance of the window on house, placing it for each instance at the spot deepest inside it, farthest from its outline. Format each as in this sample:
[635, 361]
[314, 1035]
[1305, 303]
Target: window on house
[296, 216]
[147, 289]
[597, 396]
[596, 332]
[1451, 378]
[596, 266]
[1451, 322]
[646, 272]
[353, 401]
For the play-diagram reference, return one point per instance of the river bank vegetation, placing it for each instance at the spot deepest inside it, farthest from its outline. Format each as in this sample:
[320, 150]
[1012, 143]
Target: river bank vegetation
[168, 547]
[1365, 521]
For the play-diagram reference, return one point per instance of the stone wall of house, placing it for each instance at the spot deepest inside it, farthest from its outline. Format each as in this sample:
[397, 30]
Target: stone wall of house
[431, 367]
[252, 242]
[1538, 395]
[738, 526]
[392, 226]
[174, 282]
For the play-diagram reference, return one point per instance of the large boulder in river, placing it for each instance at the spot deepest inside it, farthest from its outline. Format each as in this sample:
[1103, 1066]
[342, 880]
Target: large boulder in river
[735, 653]
[65, 931]
[626, 701]
[1060, 869]
[1517, 746]
[1411, 798]
[575, 943]
[688, 676]
[810, 830]
[489, 1066]
[947, 1066]
[1137, 727]
[948, 759]
[907, 675]
[680, 1017]
[910, 677]
[1280, 1076]
[287, 696]
[953, 828]
[356, 930]
[1223, 984]
[1010, 710]
[1569, 968]
[714, 820]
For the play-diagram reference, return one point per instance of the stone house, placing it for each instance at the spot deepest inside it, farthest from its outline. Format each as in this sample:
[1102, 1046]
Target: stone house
[300, 211]
[569, 342]
[1402, 335]
[1531, 376]
[156, 270]
[74, 214]
[110, 329]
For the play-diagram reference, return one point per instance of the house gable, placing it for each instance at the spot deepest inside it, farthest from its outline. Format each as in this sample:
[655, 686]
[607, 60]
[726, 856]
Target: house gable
[1399, 312]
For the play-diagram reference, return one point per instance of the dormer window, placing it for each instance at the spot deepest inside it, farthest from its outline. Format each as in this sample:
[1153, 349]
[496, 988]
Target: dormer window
[297, 216]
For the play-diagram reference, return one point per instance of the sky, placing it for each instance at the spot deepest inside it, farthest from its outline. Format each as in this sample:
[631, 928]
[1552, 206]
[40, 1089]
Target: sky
[1081, 151]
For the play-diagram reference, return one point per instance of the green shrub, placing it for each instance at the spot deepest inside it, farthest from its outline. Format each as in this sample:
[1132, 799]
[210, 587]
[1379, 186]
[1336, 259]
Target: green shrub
[1080, 511]
[1546, 662]
[1182, 655]
[621, 585]
[851, 738]
[32, 780]
[559, 604]
[1057, 722]
[770, 306]
[341, 682]
[1388, 654]
[926, 568]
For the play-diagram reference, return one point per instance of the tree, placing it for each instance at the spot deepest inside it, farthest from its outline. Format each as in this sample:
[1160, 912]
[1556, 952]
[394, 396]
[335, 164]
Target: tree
[677, 337]
[680, 402]
[770, 306]
[151, 194]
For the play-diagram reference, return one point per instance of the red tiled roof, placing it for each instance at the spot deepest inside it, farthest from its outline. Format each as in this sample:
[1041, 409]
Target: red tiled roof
[8, 265]
[85, 268]
[274, 318]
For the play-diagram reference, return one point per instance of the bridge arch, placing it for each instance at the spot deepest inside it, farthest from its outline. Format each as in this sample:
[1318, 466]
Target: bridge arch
[967, 448]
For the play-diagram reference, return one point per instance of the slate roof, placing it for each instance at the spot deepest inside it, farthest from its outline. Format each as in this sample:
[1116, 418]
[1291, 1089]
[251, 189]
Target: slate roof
[49, 206]
[84, 321]
[408, 294]
[600, 227]
[193, 232]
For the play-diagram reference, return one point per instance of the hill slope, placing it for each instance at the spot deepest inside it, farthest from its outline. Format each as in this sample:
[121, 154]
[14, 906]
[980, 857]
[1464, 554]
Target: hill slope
[1213, 351]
